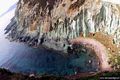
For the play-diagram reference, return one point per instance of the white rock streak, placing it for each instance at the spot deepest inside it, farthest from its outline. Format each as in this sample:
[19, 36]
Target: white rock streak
[113, 1]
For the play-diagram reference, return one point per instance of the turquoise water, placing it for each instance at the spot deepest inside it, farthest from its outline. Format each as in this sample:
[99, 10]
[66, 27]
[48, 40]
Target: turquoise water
[41, 61]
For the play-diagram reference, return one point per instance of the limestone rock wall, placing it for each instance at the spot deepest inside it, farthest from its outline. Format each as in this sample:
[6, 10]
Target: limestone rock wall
[52, 23]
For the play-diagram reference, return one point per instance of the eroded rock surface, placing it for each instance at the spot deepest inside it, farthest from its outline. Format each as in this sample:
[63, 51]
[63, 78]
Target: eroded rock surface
[53, 23]
[49, 22]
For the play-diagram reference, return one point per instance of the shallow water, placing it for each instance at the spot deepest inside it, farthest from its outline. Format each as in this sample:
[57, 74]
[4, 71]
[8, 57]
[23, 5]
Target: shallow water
[41, 61]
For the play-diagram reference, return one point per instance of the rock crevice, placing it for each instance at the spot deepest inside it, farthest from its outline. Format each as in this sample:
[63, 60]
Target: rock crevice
[84, 17]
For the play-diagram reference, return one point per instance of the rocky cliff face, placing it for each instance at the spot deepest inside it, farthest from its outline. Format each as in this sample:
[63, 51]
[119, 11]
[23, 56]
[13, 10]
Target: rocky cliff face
[46, 22]
[53, 23]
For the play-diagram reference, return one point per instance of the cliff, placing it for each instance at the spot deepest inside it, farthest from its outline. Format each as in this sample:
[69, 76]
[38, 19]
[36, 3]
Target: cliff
[55, 23]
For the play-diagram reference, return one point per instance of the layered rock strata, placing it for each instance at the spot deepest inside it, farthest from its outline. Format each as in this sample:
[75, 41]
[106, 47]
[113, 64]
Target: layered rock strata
[54, 23]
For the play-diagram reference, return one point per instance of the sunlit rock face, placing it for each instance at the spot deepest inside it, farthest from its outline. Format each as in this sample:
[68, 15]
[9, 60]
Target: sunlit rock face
[46, 22]
[54, 23]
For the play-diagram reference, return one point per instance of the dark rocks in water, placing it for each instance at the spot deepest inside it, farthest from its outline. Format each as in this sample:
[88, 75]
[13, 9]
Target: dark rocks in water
[42, 39]
[10, 24]
[27, 38]
[11, 27]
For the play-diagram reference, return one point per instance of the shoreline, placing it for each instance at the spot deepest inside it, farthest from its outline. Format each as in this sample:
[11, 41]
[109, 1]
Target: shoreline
[100, 50]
